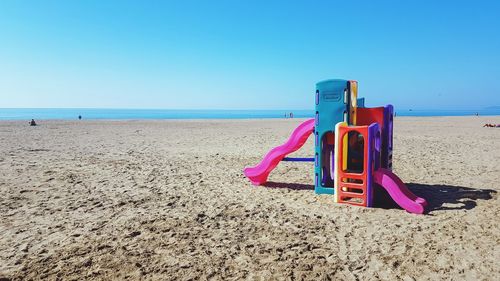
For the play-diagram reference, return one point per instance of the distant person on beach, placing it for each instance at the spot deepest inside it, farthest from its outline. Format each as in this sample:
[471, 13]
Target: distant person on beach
[291, 114]
[32, 122]
[79, 117]
[491, 125]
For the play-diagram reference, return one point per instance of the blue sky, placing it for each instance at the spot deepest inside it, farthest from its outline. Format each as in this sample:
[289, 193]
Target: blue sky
[247, 54]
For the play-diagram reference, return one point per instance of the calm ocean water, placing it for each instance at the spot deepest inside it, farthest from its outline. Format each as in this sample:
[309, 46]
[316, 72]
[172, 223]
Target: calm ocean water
[72, 113]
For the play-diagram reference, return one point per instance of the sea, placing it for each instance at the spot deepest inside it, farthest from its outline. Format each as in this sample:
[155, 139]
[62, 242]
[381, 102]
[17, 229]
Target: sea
[102, 113]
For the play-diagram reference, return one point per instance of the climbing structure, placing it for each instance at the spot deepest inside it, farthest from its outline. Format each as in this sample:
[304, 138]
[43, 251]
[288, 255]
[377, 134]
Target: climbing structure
[353, 149]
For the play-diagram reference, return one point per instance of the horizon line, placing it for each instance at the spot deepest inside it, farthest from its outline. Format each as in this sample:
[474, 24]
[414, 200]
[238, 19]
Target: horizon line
[495, 107]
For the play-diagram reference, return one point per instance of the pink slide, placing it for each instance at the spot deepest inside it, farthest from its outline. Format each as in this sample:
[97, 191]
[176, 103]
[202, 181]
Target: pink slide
[258, 174]
[399, 192]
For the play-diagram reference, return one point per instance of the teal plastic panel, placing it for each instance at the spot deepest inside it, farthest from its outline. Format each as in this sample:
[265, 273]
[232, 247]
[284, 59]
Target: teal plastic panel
[332, 106]
[361, 102]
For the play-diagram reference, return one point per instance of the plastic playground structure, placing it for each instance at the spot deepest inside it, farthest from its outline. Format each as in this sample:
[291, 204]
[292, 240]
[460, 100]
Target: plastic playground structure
[353, 149]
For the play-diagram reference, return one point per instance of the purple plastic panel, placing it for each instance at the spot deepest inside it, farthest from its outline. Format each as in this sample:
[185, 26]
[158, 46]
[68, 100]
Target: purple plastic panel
[332, 161]
[389, 113]
[317, 97]
[324, 175]
[327, 163]
[388, 137]
[372, 152]
[377, 148]
[298, 159]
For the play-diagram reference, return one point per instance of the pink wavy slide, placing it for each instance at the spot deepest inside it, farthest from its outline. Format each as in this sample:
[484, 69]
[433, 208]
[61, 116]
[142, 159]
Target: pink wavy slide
[258, 174]
[399, 192]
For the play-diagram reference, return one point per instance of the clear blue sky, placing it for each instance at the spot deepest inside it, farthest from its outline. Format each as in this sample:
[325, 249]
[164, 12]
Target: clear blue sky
[247, 54]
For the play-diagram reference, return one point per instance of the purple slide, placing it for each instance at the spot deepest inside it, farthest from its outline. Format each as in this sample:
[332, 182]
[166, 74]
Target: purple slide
[399, 192]
[258, 174]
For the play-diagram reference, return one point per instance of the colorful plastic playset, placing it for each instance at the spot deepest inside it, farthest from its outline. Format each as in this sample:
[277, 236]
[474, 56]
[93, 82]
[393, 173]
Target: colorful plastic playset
[353, 149]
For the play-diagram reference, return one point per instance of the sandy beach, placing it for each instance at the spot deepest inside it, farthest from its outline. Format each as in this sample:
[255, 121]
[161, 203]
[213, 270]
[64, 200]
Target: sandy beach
[167, 200]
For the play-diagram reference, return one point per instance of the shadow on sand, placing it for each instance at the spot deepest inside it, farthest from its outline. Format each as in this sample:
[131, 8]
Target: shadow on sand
[439, 197]
[449, 197]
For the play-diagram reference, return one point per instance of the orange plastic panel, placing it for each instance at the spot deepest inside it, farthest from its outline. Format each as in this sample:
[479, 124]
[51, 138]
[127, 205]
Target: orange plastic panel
[352, 186]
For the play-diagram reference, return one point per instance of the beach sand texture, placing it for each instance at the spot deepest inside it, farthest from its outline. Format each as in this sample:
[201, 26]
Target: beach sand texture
[167, 200]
